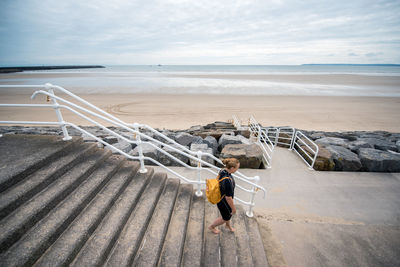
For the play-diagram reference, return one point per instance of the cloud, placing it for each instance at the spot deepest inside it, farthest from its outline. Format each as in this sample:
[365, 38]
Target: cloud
[199, 32]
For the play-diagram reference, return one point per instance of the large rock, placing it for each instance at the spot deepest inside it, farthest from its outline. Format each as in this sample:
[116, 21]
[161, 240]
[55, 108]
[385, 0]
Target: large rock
[375, 160]
[148, 151]
[250, 156]
[344, 159]
[121, 145]
[324, 160]
[355, 146]
[167, 161]
[203, 148]
[212, 143]
[333, 141]
[228, 139]
[380, 144]
[186, 139]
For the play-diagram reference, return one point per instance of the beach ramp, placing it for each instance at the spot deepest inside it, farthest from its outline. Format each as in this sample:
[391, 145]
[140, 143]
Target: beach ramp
[70, 203]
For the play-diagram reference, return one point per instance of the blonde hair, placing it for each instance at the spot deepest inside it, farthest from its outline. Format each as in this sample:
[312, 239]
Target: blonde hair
[230, 163]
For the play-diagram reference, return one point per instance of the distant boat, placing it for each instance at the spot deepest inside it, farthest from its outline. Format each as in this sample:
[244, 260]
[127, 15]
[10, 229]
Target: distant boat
[159, 65]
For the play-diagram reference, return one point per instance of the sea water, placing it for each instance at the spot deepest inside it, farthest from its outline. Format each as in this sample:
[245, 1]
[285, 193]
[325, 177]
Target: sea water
[335, 80]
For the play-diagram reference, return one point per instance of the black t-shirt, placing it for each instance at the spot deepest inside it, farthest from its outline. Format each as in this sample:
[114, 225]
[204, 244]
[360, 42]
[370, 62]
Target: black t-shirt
[226, 186]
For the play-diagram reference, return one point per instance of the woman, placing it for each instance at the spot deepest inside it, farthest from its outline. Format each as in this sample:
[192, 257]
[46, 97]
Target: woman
[227, 187]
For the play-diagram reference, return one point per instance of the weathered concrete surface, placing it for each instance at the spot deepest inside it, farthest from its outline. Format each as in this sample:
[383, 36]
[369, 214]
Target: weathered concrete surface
[312, 218]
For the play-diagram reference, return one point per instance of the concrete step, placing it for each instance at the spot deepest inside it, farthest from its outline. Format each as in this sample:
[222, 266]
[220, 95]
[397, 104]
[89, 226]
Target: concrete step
[255, 243]
[36, 152]
[37, 181]
[242, 239]
[151, 245]
[32, 245]
[65, 248]
[193, 248]
[97, 247]
[175, 239]
[128, 242]
[28, 214]
[228, 248]
[211, 249]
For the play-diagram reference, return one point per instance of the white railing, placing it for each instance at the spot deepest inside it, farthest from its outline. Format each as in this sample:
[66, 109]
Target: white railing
[135, 130]
[308, 155]
[238, 124]
[263, 140]
[282, 136]
[289, 136]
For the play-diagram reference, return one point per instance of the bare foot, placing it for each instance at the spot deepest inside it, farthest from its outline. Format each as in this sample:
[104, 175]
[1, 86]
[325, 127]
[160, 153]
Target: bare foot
[214, 230]
[230, 228]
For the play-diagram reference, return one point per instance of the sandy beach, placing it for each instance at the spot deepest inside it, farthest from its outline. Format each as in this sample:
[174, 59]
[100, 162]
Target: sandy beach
[325, 113]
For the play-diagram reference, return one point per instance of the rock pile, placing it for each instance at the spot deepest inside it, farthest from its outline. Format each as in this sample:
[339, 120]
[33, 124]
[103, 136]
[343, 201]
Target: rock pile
[377, 151]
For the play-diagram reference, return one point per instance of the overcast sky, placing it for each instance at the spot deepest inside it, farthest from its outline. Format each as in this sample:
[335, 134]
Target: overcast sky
[199, 32]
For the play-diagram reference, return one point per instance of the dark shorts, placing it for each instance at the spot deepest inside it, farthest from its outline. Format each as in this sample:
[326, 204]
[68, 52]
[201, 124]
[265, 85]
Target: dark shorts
[225, 209]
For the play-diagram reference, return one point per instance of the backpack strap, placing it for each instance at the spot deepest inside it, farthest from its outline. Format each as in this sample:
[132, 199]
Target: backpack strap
[226, 177]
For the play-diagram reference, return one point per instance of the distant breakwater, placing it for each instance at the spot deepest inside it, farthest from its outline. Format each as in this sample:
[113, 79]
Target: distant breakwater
[377, 151]
[21, 69]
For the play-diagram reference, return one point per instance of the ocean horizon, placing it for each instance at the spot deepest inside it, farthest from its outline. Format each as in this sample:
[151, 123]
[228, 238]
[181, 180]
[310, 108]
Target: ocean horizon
[307, 79]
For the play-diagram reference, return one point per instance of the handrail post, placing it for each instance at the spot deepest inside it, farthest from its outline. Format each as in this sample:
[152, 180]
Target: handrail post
[249, 212]
[139, 145]
[58, 113]
[199, 167]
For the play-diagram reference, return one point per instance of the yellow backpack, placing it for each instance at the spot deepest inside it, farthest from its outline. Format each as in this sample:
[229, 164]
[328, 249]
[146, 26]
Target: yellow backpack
[213, 192]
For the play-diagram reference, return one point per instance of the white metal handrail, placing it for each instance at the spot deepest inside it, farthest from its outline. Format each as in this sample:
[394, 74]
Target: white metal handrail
[281, 134]
[297, 140]
[311, 154]
[263, 140]
[136, 126]
[141, 158]
[238, 124]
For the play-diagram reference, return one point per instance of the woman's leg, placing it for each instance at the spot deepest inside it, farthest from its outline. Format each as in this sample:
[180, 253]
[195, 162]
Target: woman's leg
[228, 225]
[216, 223]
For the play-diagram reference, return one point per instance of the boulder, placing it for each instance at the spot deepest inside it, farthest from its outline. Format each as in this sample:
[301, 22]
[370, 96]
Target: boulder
[148, 151]
[121, 145]
[317, 135]
[228, 139]
[333, 141]
[203, 148]
[250, 156]
[324, 160]
[344, 159]
[167, 161]
[375, 160]
[211, 142]
[245, 133]
[186, 139]
[110, 139]
[380, 144]
[354, 146]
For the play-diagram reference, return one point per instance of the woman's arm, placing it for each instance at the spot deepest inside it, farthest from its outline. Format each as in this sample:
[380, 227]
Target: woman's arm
[231, 204]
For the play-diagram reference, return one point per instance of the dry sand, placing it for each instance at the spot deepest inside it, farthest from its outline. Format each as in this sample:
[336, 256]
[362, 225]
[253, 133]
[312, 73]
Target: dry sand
[325, 113]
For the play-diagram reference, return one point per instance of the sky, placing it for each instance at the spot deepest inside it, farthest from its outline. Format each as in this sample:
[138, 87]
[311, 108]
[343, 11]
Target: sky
[129, 32]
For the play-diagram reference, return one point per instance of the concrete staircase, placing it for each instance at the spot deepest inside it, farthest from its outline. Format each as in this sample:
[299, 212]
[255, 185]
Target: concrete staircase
[71, 203]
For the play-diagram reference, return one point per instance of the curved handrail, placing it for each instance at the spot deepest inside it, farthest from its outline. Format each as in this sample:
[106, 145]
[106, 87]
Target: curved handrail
[123, 138]
[239, 175]
[151, 141]
[126, 127]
